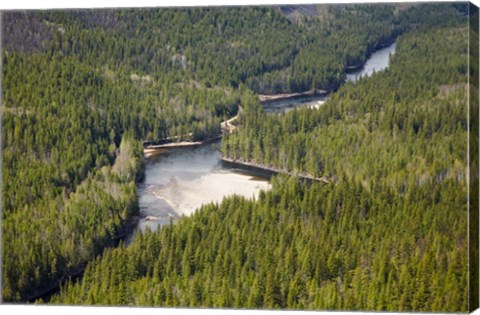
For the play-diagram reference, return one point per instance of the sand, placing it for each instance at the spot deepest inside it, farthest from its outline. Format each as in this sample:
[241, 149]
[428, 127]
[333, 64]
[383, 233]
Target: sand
[186, 196]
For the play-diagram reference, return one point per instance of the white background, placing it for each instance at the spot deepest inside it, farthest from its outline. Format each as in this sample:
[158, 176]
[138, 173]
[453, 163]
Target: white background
[51, 4]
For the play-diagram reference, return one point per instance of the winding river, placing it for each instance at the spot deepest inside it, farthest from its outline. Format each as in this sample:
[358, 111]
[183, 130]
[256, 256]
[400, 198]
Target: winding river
[180, 180]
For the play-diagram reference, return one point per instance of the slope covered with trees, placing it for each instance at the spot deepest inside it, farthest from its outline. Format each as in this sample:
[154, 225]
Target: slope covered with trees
[82, 89]
[55, 232]
[317, 247]
[409, 115]
[76, 82]
[388, 233]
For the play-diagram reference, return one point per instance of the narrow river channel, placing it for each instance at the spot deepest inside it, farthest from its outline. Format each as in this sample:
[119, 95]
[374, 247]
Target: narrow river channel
[180, 180]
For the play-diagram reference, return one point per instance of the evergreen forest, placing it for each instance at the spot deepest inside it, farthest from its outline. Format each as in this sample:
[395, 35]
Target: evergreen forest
[85, 90]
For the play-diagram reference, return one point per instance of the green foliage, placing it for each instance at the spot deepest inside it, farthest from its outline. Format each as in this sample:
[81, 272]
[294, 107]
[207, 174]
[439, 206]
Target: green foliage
[74, 82]
[57, 234]
[256, 46]
[345, 37]
[387, 234]
[82, 89]
[404, 125]
[315, 247]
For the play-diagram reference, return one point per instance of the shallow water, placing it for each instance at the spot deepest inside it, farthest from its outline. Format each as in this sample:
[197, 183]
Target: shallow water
[180, 180]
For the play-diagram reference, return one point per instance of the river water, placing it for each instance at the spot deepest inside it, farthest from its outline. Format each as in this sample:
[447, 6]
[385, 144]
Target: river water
[180, 180]
[378, 61]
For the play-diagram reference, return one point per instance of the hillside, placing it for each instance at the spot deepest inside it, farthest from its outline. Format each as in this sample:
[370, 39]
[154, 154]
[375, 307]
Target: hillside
[83, 89]
[388, 234]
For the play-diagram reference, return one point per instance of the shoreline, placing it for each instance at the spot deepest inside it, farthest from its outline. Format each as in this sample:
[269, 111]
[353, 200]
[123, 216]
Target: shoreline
[152, 149]
[358, 66]
[226, 125]
[265, 99]
[272, 170]
[352, 68]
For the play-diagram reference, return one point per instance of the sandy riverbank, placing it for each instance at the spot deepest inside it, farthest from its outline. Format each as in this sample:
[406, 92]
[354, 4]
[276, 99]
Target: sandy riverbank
[186, 196]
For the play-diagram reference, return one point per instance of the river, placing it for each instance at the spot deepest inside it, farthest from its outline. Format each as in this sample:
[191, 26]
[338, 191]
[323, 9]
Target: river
[179, 180]
[378, 61]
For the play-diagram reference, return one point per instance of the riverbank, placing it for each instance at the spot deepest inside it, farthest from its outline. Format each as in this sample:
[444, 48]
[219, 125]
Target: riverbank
[265, 99]
[168, 143]
[226, 125]
[273, 170]
[358, 66]
[150, 150]
[354, 68]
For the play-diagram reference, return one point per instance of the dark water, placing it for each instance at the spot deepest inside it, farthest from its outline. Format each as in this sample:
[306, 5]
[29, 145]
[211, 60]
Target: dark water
[179, 180]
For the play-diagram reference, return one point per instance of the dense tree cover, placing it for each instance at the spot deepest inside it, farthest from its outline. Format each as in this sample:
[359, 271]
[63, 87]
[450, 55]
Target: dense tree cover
[62, 120]
[55, 234]
[75, 81]
[82, 88]
[64, 114]
[473, 155]
[152, 108]
[345, 37]
[218, 46]
[404, 125]
[298, 247]
[388, 233]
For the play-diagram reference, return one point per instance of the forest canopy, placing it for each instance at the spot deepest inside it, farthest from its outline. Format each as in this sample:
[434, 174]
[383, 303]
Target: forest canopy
[84, 89]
